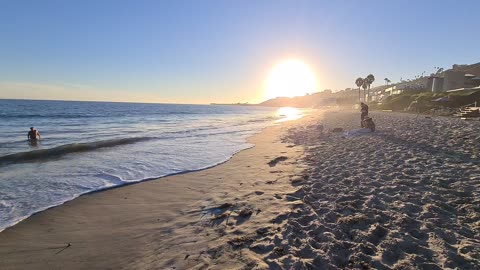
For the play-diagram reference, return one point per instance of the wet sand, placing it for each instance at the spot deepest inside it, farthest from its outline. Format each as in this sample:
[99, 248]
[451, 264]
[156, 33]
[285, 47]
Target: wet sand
[197, 220]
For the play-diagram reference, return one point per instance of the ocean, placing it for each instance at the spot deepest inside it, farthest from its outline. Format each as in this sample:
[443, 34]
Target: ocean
[90, 146]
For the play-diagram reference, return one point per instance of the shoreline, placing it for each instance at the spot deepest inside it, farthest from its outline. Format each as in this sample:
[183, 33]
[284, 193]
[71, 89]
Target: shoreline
[125, 184]
[41, 228]
[404, 197]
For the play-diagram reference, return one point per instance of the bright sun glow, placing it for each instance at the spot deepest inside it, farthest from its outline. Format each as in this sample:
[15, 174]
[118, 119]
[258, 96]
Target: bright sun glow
[290, 78]
[288, 113]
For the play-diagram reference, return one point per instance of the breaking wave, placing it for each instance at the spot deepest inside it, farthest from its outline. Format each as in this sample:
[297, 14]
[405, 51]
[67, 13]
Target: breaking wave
[45, 154]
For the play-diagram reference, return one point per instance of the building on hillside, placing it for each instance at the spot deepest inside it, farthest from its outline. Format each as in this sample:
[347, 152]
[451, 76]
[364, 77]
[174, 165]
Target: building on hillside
[377, 93]
[418, 85]
[453, 79]
[392, 90]
[460, 76]
[435, 83]
[468, 69]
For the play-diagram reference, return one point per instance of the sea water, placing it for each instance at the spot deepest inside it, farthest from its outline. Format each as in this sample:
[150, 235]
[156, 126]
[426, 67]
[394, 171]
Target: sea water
[89, 146]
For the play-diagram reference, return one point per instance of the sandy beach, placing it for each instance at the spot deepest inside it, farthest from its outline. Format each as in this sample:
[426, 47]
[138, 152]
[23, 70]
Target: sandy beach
[198, 220]
[233, 135]
[404, 197]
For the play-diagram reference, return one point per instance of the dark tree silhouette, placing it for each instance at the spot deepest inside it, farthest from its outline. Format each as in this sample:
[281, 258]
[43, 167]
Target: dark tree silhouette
[359, 82]
[369, 80]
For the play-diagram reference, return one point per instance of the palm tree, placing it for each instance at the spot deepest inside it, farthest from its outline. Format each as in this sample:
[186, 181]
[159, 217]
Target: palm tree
[359, 83]
[370, 79]
[364, 86]
[386, 81]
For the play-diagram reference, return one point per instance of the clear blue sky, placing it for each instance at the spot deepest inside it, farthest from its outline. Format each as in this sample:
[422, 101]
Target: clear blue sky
[221, 51]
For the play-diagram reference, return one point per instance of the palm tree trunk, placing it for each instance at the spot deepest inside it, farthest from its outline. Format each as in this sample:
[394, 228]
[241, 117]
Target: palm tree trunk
[368, 92]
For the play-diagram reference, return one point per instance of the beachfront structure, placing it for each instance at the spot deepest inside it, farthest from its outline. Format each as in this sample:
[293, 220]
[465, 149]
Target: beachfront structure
[460, 76]
[435, 83]
[418, 85]
[392, 90]
[378, 93]
[457, 78]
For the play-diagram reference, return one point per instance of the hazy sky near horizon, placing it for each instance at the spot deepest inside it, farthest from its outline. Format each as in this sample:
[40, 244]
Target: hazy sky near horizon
[221, 51]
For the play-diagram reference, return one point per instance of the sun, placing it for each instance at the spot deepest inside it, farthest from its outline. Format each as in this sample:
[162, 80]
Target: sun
[290, 78]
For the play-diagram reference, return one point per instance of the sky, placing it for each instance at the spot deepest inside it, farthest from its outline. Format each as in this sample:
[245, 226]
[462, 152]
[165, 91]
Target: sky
[221, 51]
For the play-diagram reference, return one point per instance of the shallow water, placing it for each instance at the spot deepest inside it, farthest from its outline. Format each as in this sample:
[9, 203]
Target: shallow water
[88, 146]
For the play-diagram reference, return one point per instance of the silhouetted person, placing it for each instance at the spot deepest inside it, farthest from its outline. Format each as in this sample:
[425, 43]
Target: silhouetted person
[364, 111]
[33, 134]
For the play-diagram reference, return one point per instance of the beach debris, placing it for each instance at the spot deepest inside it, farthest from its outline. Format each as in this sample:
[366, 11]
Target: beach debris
[186, 256]
[67, 246]
[274, 161]
[258, 192]
[337, 129]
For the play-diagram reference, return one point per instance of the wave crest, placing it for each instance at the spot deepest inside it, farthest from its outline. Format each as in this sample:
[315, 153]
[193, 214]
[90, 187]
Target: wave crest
[44, 154]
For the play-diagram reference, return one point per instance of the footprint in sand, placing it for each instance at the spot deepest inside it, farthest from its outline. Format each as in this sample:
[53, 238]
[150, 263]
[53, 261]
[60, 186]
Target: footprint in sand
[273, 162]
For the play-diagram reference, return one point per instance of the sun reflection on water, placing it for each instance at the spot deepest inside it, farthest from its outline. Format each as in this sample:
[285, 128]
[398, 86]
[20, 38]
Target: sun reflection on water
[288, 114]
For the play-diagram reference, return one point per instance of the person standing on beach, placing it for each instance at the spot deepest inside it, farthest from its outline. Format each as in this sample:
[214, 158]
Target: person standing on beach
[364, 113]
[33, 134]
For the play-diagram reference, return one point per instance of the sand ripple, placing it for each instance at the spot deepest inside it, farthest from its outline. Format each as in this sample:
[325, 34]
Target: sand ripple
[405, 197]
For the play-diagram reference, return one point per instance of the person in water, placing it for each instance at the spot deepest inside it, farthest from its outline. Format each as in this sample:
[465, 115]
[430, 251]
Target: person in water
[364, 111]
[33, 134]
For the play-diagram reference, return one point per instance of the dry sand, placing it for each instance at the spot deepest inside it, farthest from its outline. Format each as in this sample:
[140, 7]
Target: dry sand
[405, 197]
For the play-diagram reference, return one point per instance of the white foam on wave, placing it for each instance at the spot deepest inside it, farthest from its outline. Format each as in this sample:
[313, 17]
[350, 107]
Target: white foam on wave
[189, 143]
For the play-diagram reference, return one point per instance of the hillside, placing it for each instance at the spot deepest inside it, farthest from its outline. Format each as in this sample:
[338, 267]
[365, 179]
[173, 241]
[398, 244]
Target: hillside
[325, 98]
